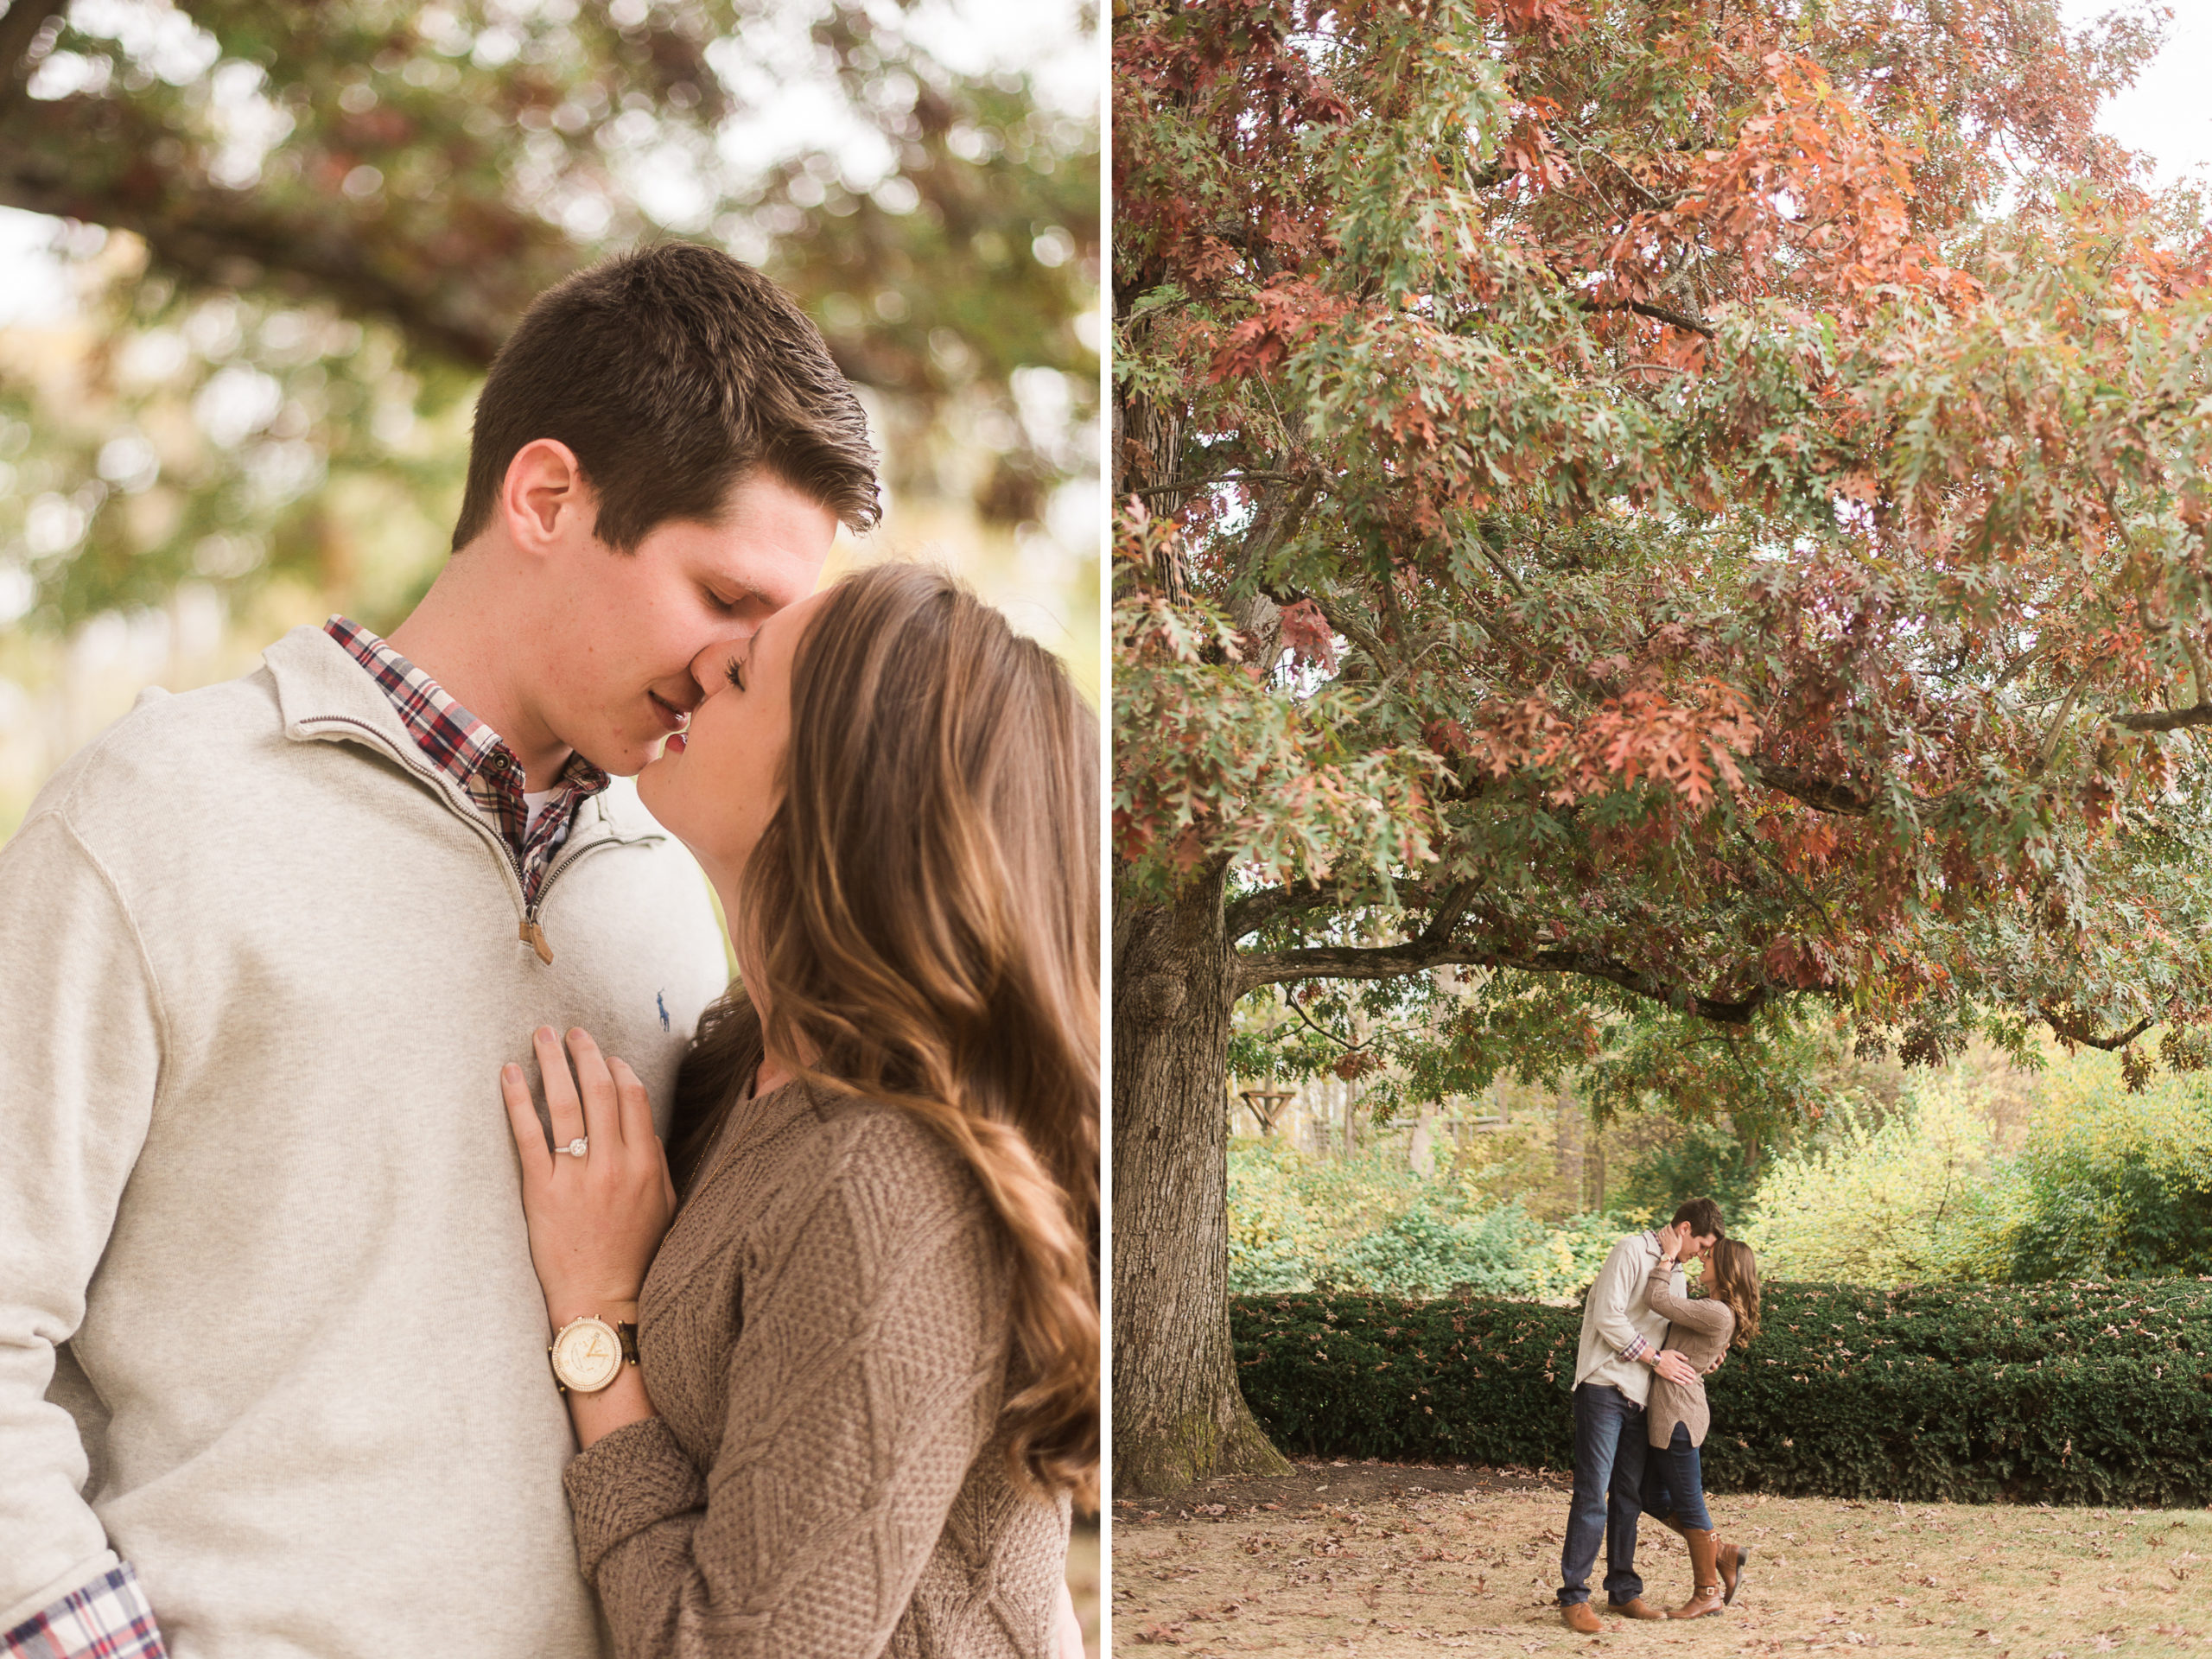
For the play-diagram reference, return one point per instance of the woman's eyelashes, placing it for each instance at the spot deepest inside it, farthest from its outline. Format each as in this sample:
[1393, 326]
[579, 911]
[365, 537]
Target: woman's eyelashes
[736, 672]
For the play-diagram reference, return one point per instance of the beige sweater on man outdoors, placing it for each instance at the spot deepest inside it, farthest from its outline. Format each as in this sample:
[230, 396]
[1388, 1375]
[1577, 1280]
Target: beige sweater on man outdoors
[1618, 1316]
[267, 1325]
[825, 1335]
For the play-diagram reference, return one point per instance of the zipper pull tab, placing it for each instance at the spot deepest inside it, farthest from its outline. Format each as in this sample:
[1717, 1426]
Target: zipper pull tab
[534, 936]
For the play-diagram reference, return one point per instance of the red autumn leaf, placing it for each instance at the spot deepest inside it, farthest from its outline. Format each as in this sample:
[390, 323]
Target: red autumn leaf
[1307, 634]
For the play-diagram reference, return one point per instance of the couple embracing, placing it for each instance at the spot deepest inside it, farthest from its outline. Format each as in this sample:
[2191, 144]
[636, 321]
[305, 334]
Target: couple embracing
[349, 1302]
[1640, 1412]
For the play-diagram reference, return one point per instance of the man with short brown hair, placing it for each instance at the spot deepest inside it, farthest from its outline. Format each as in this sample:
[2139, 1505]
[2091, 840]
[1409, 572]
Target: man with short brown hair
[1621, 1347]
[272, 1356]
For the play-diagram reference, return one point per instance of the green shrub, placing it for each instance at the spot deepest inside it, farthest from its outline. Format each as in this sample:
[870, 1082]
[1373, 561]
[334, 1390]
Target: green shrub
[1688, 1160]
[1883, 1202]
[2084, 1393]
[1296, 1223]
[2110, 1183]
[1427, 1249]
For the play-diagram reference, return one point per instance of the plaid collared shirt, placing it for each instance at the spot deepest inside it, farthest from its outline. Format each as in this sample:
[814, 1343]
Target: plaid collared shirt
[471, 753]
[107, 1619]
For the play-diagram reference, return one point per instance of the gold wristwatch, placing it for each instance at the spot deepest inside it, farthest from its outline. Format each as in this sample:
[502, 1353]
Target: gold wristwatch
[589, 1353]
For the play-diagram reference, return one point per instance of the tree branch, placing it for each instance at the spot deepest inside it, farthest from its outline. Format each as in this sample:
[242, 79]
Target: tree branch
[1248, 915]
[1177, 486]
[1311, 1024]
[1392, 961]
[1656, 313]
[217, 237]
[2058, 723]
[2075, 1031]
[2165, 720]
[1819, 793]
[1449, 909]
[2024, 661]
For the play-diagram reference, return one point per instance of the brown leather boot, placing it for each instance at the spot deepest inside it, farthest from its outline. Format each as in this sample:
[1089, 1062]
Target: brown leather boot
[1636, 1607]
[1577, 1618]
[1728, 1558]
[1708, 1599]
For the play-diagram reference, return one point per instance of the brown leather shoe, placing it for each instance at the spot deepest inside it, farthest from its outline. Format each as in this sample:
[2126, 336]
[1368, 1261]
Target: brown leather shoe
[1634, 1608]
[1577, 1618]
[1708, 1599]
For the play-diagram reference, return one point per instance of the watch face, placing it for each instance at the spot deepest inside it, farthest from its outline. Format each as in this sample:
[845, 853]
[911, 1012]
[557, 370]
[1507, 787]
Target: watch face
[587, 1355]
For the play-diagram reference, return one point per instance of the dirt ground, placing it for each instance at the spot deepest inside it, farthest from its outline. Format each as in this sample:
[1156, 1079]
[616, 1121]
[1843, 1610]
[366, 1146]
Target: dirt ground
[1384, 1560]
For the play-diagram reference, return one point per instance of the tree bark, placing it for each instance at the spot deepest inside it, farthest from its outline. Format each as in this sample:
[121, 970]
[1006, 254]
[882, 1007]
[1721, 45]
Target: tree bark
[1566, 1142]
[1179, 1415]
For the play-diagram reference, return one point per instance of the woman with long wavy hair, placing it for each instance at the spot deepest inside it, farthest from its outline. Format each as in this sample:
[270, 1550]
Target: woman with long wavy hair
[865, 1339]
[1677, 1416]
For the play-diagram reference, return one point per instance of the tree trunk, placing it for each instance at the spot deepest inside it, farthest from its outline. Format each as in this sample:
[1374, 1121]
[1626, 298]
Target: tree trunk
[1566, 1144]
[1179, 1415]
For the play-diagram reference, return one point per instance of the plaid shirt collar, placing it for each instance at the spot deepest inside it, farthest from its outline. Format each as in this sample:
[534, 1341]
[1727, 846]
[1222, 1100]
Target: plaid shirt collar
[473, 755]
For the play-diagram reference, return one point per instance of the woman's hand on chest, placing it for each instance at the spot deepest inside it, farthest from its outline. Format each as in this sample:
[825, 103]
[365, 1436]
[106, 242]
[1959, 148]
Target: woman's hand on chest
[598, 1201]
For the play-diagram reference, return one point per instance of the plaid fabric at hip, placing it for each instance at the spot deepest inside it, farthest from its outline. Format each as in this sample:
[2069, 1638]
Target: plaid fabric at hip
[471, 753]
[109, 1618]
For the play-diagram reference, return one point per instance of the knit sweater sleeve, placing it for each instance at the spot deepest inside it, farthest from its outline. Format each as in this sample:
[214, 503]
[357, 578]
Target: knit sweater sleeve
[1709, 1315]
[868, 1374]
[1613, 1295]
[81, 1058]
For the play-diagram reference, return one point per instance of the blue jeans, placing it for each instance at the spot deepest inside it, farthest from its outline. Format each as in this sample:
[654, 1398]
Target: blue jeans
[1673, 1483]
[1608, 1489]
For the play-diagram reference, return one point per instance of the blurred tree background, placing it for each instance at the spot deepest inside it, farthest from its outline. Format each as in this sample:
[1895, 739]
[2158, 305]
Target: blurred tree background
[257, 257]
[1355, 1161]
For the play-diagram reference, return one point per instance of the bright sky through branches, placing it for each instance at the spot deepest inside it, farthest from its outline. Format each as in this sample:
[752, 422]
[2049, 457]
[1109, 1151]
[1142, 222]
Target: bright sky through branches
[2165, 112]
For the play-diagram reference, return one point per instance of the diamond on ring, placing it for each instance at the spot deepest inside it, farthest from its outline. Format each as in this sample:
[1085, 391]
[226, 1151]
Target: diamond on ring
[577, 1147]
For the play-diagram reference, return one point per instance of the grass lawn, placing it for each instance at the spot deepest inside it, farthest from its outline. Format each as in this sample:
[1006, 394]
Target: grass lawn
[1395, 1558]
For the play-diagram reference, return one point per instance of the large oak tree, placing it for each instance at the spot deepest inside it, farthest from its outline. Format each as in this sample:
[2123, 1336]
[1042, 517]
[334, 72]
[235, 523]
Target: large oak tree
[1691, 505]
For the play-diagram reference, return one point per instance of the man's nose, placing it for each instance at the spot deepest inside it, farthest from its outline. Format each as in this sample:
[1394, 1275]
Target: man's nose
[710, 668]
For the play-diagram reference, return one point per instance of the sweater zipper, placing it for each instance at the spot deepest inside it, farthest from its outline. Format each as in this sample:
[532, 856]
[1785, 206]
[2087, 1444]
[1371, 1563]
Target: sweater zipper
[533, 935]
[530, 933]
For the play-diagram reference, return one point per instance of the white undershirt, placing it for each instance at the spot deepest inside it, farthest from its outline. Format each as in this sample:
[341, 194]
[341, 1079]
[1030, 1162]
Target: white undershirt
[535, 800]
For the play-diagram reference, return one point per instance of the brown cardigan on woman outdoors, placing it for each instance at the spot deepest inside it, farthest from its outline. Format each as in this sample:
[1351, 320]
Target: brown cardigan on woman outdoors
[825, 1335]
[1700, 1334]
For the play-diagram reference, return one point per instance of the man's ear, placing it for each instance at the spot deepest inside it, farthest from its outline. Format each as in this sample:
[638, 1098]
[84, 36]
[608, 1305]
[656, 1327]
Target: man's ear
[544, 501]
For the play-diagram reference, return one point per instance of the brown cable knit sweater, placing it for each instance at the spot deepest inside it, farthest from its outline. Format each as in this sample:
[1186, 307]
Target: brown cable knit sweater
[1699, 1332]
[825, 1335]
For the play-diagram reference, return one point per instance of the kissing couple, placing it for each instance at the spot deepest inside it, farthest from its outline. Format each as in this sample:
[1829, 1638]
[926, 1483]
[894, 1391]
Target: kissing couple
[1641, 1415]
[349, 1303]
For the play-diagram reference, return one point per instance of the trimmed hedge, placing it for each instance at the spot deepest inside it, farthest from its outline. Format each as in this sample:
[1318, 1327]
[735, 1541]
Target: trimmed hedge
[2085, 1393]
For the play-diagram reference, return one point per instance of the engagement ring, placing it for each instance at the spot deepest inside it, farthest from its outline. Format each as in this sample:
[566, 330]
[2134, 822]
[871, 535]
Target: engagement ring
[577, 1147]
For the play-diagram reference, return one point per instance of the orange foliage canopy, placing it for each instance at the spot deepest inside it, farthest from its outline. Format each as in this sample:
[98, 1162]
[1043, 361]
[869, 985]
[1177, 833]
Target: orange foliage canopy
[1705, 497]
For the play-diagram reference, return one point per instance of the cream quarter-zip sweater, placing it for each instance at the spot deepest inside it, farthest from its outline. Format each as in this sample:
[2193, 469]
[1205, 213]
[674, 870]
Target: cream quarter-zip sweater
[1618, 1323]
[260, 964]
